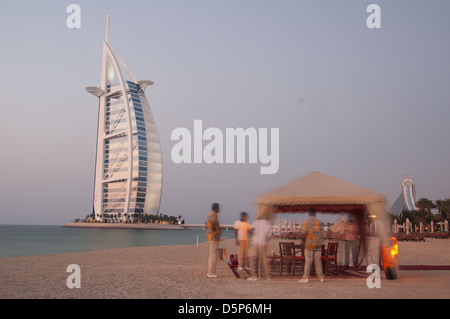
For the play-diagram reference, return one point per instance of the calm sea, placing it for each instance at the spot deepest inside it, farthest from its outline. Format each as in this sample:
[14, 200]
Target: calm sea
[25, 240]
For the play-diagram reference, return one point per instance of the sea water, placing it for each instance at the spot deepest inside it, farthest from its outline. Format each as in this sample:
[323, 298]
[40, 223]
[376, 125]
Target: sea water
[26, 240]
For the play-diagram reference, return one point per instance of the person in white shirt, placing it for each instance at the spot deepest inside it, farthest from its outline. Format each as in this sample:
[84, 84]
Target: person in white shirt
[241, 231]
[260, 239]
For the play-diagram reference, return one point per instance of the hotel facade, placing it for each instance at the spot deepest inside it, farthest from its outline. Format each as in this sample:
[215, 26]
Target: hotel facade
[407, 198]
[128, 170]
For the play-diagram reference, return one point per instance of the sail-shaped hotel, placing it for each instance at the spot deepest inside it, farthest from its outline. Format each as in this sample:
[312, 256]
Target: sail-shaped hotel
[128, 171]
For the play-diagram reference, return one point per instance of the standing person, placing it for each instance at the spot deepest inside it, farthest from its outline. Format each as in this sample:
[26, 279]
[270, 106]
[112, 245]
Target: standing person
[313, 229]
[241, 231]
[260, 238]
[213, 233]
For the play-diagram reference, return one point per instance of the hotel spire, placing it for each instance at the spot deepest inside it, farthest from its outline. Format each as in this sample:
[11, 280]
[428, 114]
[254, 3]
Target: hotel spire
[107, 28]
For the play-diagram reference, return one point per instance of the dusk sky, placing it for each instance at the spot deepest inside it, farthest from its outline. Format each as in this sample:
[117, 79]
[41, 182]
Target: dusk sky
[367, 106]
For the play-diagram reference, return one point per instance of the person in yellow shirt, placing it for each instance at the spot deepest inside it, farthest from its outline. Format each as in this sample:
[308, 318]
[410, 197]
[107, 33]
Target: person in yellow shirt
[213, 233]
[314, 231]
[241, 231]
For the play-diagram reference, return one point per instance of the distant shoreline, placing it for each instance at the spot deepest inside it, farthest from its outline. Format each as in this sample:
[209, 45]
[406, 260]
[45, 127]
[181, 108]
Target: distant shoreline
[125, 226]
[141, 226]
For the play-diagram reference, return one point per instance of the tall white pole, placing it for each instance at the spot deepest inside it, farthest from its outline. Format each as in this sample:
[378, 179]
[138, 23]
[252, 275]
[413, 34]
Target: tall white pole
[107, 28]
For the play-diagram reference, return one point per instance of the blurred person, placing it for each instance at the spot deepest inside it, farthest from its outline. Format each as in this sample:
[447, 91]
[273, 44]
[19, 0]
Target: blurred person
[241, 231]
[262, 228]
[213, 234]
[314, 233]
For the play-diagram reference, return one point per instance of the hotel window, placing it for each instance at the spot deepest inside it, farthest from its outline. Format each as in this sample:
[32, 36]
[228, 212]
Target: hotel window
[142, 173]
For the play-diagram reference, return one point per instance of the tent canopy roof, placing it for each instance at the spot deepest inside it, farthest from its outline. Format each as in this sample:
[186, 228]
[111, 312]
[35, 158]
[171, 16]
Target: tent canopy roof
[322, 192]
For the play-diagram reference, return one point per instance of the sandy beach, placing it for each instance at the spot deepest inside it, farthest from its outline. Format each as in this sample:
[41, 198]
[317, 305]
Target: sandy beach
[178, 272]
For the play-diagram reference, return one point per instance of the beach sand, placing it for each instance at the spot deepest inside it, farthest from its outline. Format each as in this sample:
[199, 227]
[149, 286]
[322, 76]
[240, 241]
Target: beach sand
[178, 272]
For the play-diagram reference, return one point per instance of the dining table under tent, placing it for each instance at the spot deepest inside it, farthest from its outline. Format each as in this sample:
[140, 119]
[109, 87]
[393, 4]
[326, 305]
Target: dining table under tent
[327, 194]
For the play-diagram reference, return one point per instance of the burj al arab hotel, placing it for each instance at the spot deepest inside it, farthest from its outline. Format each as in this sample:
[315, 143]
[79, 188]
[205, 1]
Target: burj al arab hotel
[128, 170]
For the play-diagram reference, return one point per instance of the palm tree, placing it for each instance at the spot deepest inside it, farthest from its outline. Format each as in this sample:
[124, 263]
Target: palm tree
[425, 204]
[443, 208]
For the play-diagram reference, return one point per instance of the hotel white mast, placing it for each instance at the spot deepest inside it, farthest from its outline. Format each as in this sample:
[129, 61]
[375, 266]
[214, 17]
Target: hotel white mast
[128, 171]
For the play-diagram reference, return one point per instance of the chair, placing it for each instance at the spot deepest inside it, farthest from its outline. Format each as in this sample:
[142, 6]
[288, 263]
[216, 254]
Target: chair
[331, 257]
[288, 253]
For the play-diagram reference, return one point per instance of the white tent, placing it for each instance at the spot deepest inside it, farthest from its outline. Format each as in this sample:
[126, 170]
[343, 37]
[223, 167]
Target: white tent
[327, 195]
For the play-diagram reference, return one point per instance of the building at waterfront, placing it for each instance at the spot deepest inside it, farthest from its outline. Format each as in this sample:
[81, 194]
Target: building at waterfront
[407, 198]
[128, 170]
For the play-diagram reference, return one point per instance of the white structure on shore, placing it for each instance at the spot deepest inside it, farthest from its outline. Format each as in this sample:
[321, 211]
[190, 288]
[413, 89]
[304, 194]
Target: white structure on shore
[407, 198]
[128, 171]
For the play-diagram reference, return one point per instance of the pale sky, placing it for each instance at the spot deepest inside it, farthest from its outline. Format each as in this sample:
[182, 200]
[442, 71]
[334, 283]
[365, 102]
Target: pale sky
[364, 105]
